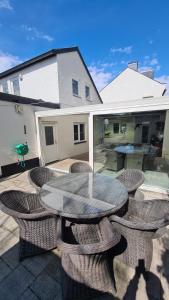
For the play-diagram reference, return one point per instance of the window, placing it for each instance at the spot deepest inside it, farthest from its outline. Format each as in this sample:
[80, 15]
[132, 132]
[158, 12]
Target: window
[75, 87]
[76, 135]
[15, 86]
[116, 127]
[4, 87]
[79, 132]
[87, 92]
[49, 135]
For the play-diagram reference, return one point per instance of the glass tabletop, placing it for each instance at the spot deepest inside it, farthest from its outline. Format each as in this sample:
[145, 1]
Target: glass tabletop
[83, 195]
[131, 149]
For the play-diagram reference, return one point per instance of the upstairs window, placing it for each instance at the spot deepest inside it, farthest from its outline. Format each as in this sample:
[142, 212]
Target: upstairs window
[87, 92]
[79, 132]
[15, 86]
[4, 87]
[75, 87]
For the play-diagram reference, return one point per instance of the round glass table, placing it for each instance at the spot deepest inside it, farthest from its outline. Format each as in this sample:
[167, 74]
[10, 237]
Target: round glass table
[84, 244]
[83, 195]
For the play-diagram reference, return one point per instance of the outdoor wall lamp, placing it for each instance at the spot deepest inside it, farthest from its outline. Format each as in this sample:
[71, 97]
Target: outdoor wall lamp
[106, 121]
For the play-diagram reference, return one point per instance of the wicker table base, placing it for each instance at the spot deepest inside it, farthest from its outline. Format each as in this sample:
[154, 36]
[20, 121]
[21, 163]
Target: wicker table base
[86, 276]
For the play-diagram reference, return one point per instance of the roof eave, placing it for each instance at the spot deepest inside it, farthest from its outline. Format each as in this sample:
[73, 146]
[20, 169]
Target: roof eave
[27, 101]
[35, 60]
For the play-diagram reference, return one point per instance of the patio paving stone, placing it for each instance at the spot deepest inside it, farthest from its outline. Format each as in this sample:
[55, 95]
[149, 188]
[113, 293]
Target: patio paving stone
[9, 224]
[28, 295]
[54, 269]
[4, 269]
[106, 297]
[2, 188]
[7, 240]
[46, 288]
[11, 256]
[16, 282]
[16, 232]
[36, 264]
[3, 218]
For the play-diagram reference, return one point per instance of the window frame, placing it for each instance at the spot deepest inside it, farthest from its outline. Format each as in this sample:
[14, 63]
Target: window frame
[12, 85]
[119, 128]
[78, 88]
[89, 97]
[1, 86]
[79, 140]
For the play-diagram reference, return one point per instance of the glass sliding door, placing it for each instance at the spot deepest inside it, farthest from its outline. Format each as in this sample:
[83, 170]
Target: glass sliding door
[136, 140]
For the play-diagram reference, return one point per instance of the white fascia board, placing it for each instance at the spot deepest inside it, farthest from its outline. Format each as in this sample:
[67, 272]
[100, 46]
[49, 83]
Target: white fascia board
[131, 109]
[160, 103]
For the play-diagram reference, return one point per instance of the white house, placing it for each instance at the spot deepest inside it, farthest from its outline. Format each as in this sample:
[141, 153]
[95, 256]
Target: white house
[132, 84]
[56, 79]
[18, 126]
[59, 76]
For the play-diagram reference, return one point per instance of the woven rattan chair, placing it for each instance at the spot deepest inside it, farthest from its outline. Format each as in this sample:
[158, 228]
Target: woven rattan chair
[80, 167]
[86, 268]
[143, 222]
[39, 176]
[132, 179]
[37, 226]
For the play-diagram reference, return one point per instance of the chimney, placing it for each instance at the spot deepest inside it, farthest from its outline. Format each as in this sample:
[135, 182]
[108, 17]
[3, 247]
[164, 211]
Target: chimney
[148, 73]
[133, 65]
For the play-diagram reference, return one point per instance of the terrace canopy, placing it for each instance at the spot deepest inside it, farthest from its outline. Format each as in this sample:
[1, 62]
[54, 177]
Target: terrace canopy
[120, 135]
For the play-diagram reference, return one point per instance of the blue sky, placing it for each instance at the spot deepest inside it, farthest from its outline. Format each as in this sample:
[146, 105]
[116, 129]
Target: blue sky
[109, 33]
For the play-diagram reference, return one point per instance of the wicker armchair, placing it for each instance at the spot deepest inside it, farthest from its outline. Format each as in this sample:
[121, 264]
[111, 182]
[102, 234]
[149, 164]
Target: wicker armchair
[80, 167]
[143, 222]
[39, 176]
[86, 269]
[37, 226]
[132, 179]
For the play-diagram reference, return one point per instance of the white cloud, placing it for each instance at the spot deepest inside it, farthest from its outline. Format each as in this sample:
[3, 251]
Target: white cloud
[142, 69]
[151, 61]
[5, 4]
[154, 61]
[36, 34]
[124, 62]
[108, 65]
[126, 50]
[8, 61]
[100, 76]
[164, 79]
[158, 67]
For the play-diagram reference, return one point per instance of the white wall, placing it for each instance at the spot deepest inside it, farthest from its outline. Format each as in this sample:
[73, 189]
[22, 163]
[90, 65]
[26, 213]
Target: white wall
[39, 81]
[51, 80]
[71, 67]
[130, 85]
[12, 131]
[65, 139]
